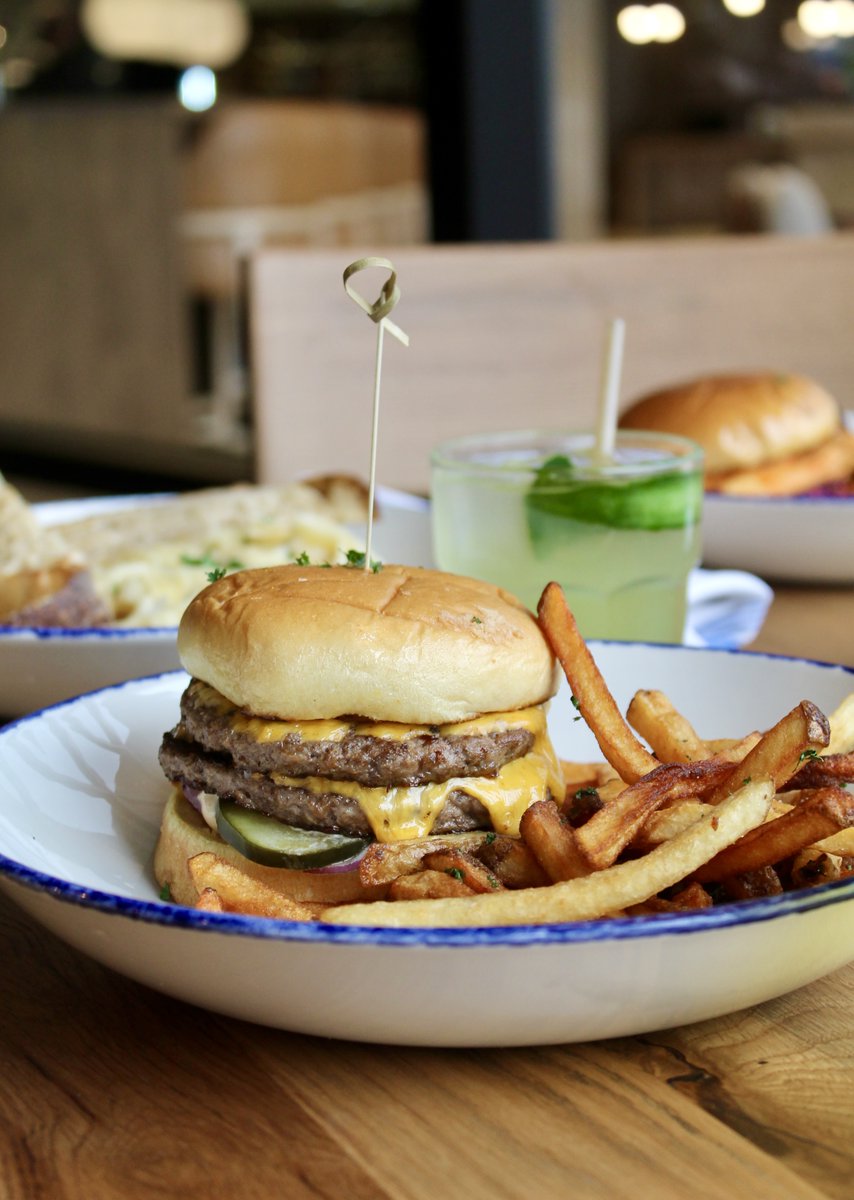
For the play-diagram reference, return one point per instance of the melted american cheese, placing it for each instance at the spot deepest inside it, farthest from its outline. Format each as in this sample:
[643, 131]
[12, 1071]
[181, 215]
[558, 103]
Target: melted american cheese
[398, 814]
[262, 729]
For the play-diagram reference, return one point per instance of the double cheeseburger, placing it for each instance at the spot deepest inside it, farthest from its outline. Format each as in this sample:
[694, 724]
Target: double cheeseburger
[330, 707]
[763, 434]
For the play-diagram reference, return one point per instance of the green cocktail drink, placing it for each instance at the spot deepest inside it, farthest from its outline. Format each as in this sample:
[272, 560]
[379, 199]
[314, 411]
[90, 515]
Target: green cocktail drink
[620, 535]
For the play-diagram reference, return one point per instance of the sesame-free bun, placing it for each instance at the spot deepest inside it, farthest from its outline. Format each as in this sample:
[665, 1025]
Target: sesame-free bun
[400, 644]
[741, 420]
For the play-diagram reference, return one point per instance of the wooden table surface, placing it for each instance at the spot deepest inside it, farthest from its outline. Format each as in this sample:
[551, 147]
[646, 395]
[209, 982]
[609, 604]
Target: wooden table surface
[109, 1090]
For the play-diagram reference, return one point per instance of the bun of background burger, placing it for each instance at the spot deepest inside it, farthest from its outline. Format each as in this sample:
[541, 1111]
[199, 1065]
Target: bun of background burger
[762, 433]
[384, 705]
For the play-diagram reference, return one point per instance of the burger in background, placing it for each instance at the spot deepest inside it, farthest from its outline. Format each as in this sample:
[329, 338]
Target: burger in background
[763, 434]
[333, 707]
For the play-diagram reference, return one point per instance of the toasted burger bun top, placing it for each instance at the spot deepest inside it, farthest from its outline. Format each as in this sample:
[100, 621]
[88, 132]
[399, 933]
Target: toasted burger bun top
[402, 644]
[741, 420]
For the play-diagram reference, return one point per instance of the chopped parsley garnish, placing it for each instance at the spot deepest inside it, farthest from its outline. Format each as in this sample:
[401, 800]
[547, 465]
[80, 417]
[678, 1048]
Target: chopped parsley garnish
[356, 558]
[476, 621]
[576, 704]
[809, 753]
[217, 569]
[490, 838]
[455, 873]
[166, 893]
[302, 559]
[588, 791]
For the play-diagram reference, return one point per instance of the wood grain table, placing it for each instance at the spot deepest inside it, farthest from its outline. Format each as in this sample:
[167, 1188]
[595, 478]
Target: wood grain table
[109, 1090]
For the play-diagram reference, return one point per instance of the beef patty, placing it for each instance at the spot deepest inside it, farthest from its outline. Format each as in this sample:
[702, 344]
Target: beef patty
[188, 764]
[374, 762]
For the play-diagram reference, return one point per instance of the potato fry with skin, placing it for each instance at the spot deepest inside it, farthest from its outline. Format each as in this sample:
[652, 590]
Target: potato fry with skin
[592, 896]
[778, 752]
[595, 703]
[465, 867]
[825, 769]
[552, 841]
[240, 893]
[427, 885]
[609, 831]
[671, 736]
[385, 861]
[752, 885]
[691, 897]
[511, 861]
[812, 867]
[826, 812]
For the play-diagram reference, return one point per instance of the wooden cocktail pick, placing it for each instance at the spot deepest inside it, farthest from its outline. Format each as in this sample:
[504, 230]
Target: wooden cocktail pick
[379, 314]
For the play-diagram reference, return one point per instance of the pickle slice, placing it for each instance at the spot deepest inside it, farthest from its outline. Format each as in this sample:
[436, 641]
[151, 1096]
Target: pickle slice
[265, 840]
[663, 502]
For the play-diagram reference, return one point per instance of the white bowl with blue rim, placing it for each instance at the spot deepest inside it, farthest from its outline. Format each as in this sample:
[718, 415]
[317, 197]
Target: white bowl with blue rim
[80, 800]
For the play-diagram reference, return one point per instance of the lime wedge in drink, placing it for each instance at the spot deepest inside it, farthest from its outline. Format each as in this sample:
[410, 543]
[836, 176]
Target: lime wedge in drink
[668, 501]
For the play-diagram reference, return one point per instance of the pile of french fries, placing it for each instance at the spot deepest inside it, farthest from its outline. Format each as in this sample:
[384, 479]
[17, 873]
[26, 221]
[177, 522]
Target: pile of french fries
[667, 824]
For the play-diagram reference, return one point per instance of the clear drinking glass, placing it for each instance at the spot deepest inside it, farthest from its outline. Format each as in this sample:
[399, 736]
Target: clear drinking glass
[620, 535]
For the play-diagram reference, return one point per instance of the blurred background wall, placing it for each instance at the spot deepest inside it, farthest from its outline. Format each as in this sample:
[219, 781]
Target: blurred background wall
[148, 147]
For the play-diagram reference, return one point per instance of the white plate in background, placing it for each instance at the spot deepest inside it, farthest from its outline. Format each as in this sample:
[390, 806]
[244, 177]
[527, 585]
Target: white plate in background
[799, 539]
[80, 800]
[794, 539]
[43, 666]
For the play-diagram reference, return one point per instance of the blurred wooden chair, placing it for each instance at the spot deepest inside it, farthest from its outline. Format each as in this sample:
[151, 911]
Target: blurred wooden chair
[297, 173]
[511, 336]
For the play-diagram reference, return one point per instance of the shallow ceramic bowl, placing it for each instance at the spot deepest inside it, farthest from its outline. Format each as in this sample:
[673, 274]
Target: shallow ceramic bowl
[803, 539]
[80, 799]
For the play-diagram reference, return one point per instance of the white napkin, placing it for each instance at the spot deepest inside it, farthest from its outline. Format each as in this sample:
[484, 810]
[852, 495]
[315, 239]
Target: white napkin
[726, 609]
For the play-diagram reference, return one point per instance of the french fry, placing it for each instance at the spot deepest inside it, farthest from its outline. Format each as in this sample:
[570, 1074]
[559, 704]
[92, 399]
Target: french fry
[552, 841]
[825, 769]
[239, 892]
[694, 895]
[825, 812]
[811, 867]
[385, 861]
[778, 753]
[610, 830]
[671, 736]
[666, 823]
[465, 867]
[752, 885]
[594, 701]
[210, 901]
[426, 885]
[584, 775]
[842, 727]
[592, 896]
[733, 749]
[511, 861]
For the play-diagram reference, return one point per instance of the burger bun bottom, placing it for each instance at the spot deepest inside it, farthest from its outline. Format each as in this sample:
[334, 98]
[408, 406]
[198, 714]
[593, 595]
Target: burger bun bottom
[184, 833]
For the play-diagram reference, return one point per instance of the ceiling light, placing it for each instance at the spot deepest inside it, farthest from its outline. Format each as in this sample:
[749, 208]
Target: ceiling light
[641, 24]
[183, 32]
[744, 8]
[818, 18]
